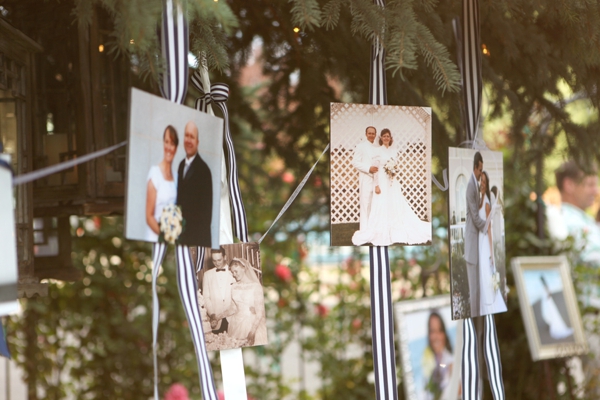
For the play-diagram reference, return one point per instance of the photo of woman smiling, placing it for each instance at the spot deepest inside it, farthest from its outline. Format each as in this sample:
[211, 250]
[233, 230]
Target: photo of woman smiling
[161, 189]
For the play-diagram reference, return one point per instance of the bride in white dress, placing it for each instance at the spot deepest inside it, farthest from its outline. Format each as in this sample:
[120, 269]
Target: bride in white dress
[491, 299]
[558, 329]
[161, 189]
[391, 219]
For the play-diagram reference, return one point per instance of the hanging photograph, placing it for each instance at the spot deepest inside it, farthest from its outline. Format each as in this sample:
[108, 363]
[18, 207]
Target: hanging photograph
[476, 233]
[549, 307]
[380, 175]
[8, 246]
[173, 173]
[427, 337]
[230, 295]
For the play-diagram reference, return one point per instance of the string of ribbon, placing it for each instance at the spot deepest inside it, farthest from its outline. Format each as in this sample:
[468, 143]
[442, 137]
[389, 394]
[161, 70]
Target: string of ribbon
[382, 323]
[175, 48]
[468, 44]
[218, 94]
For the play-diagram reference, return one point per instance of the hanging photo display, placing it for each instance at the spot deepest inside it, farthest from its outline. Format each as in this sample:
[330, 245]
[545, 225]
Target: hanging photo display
[173, 173]
[380, 175]
[476, 233]
[427, 346]
[8, 246]
[230, 295]
[549, 307]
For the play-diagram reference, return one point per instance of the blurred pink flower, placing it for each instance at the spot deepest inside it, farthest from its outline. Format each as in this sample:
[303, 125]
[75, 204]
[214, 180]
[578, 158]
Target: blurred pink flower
[322, 310]
[283, 272]
[287, 177]
[177, 392]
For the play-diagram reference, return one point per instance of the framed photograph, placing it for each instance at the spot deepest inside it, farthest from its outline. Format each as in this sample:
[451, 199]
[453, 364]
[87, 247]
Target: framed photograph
[8, 246]
[549, 307]
[173, 158]
[380, 175]
[427, 336]
[476, 233]
[230, 295]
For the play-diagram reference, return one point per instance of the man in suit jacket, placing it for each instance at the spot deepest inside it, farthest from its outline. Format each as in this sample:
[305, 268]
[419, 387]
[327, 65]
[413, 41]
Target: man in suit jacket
[473, 225]
[194, 192]
[362, 161]
[216, 289]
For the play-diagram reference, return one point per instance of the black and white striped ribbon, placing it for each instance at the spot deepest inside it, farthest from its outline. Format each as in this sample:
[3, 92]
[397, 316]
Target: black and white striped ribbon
[382, 324]
[382, 320]
[175, 47]
[188, 291]
[174, 40]
[218, 94]
[470, 66]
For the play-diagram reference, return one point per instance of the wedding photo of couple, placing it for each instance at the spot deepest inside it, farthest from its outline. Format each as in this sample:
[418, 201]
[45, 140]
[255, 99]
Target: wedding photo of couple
[476, 233]
[380, 175]
[231, 297]
[174, 160]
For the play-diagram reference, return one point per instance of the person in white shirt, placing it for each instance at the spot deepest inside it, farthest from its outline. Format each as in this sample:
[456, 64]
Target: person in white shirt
[578, 190]
[362, 161]
[216, 289]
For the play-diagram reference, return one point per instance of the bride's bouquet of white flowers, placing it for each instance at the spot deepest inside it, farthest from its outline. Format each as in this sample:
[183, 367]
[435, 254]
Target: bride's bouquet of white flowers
[171, 224]
[392, 167]
[495, 279]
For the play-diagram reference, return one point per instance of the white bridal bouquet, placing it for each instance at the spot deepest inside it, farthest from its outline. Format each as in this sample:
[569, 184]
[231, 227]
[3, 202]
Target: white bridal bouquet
[171, 224]
[392, 167]
[495, 280]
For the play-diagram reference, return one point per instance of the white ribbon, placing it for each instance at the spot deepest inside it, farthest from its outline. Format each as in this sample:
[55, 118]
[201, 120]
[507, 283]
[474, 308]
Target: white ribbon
[289, 202]
[40, 173]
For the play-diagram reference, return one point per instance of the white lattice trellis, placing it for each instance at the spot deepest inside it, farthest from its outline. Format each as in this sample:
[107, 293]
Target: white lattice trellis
[411, 132]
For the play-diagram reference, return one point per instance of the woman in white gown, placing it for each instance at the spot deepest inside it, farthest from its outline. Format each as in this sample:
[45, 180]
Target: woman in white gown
[491, 299]
[246, 315]
[161, 189]
[558, 329]
[391, 219]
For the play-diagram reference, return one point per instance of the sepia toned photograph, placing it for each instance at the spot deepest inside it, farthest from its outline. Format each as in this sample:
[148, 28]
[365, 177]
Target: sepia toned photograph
[173, 173]
[8, 246]
[476, 233]
[380, 175]
[427, 337]
[549, 307]
[230, 295]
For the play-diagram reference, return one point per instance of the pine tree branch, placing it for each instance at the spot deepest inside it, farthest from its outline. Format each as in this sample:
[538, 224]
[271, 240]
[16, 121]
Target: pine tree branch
[306, 14]
[437, 58]
[331, 13]
[400, 44]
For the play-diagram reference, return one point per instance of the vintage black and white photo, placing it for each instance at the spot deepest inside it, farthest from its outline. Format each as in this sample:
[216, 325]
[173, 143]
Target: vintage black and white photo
[380, 175]
[230, 295]
[476, 233]
[549, 307]
[173, 174]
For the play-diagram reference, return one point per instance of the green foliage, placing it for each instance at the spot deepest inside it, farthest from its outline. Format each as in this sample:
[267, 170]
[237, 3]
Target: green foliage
[92, 339]
[136, 23]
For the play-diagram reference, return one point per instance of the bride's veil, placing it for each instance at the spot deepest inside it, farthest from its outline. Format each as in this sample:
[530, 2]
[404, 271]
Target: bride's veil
[248, 269]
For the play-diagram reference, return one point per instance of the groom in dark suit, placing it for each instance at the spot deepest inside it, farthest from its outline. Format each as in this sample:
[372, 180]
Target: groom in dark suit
[194, 192]
[473, 225]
